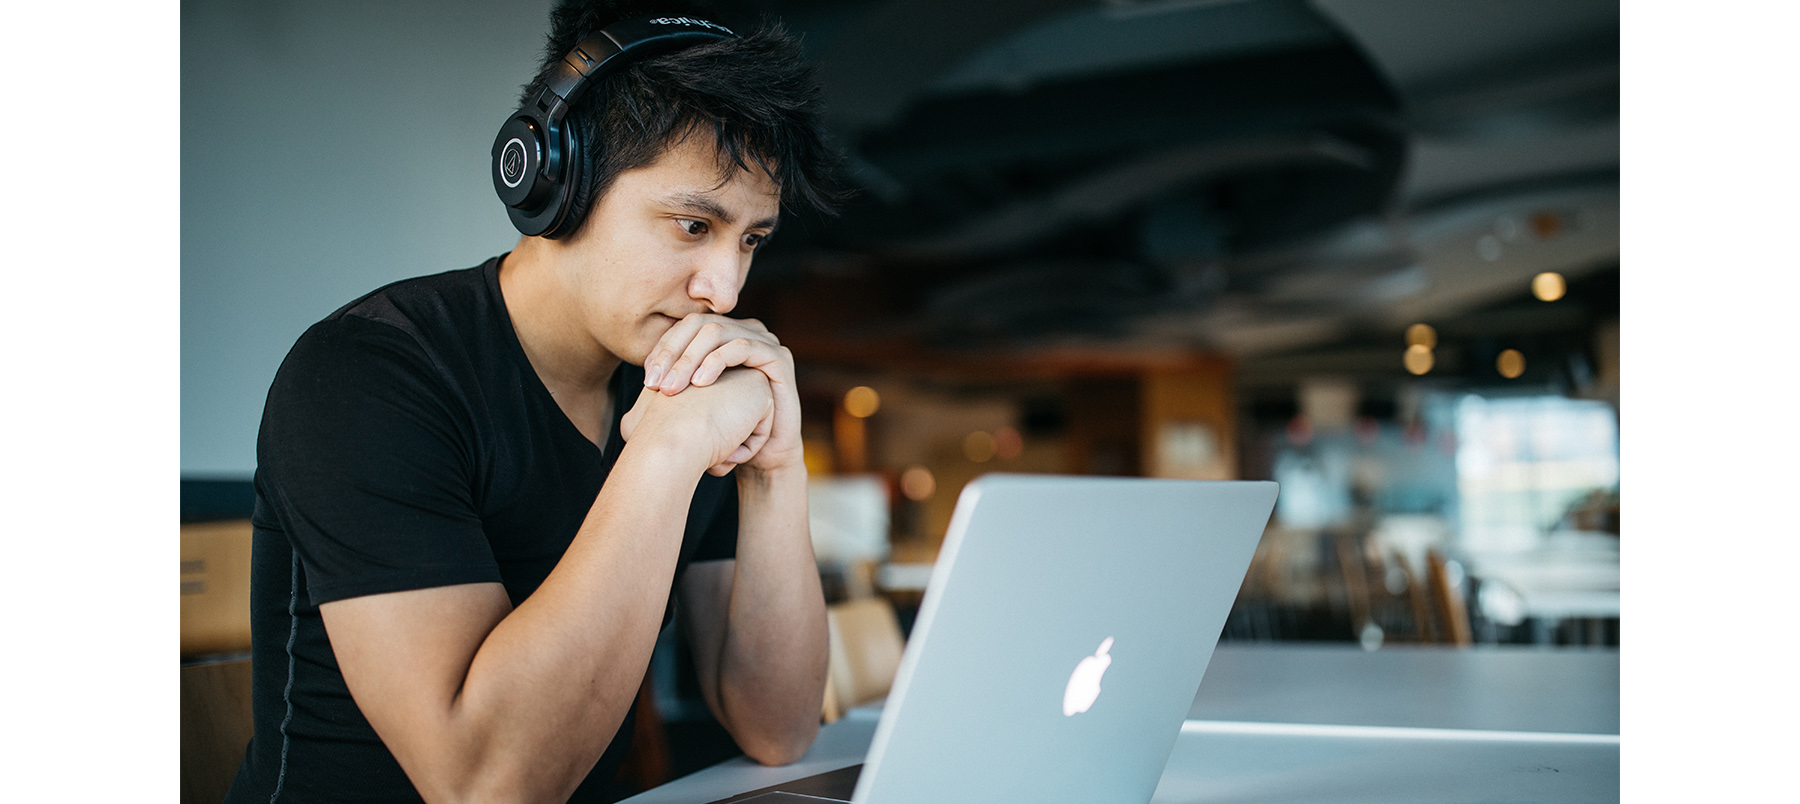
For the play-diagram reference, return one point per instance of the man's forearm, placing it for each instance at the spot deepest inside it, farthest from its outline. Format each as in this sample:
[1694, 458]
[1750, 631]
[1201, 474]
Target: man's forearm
[773, 662]
[530, 704]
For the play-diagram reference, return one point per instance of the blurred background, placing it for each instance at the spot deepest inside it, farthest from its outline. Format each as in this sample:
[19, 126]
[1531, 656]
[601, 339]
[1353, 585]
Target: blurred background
[1365, 248]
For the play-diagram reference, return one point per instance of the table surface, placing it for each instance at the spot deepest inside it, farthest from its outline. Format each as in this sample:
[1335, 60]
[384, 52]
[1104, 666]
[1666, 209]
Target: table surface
[1276, 723]
[1572, 574]
[1485, 688]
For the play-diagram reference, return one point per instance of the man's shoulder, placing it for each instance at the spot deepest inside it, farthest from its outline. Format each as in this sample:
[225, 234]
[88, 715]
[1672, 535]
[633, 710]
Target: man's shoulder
[424, 302]
[422, 325]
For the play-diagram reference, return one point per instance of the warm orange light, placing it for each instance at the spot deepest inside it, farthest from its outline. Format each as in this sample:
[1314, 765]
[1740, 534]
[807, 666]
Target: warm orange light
[917, 483]
[1008, 444]
[1421, 335]
[979, 447]
[1419, 359]
[1511, 364]
[818, 456]
[862, 402]
[1548, 286]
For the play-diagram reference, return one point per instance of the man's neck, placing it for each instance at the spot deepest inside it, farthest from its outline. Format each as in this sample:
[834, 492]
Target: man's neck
[548, 321]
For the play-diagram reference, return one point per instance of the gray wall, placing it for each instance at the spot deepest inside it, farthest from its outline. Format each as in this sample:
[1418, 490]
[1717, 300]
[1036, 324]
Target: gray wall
[327, 148]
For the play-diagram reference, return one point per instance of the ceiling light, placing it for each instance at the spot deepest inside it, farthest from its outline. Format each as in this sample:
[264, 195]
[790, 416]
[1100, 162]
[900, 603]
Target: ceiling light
[1511, 364]
[1488, 246]
[917, 483]
[862, 402]
[1008, 444]
[1421, 335]
[1418, 359]
[979, 447]
[1548, 286]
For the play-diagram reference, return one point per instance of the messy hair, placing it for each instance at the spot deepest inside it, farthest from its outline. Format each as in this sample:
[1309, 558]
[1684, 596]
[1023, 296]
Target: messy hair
[755, 97]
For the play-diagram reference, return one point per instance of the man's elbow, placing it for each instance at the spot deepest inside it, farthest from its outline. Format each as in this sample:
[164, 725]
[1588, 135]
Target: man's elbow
[780, 749]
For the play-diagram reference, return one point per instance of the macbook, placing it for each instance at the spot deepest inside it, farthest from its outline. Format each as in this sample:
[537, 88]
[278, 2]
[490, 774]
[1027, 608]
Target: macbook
[1063, 635]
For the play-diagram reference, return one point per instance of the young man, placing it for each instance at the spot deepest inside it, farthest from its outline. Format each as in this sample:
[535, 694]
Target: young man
[466, 545]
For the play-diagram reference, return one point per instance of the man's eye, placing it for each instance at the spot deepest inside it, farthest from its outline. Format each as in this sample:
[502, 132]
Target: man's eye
[693, 228]
[754, 240]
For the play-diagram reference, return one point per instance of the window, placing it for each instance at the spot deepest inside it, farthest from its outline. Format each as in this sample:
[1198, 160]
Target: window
[1522, 462]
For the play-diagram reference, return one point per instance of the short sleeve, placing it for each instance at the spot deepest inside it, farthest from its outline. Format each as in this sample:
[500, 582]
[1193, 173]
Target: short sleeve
[367, 465]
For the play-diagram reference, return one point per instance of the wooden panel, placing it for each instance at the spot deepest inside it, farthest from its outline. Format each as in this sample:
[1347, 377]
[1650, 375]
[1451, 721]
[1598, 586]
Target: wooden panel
[1104, 429]
[1189, 423]
[215, 587]
[215, 728]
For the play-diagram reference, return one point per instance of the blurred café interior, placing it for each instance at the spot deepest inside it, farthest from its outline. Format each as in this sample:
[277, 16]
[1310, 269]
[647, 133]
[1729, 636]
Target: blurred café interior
[1368, 249]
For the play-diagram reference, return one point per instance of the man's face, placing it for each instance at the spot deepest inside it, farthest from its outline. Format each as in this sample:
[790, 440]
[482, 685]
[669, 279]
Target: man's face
[666, 241]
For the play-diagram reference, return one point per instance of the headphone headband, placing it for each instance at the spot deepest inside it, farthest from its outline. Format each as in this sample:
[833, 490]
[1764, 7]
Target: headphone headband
[536, 160]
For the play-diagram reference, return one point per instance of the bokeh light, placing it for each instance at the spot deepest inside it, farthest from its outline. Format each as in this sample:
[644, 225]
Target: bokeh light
[1548, 286]
[1511, 364]
[1008, 444]
[917, 483]
[1488, 246]
[1421, 335]
[1418, 359]
[979, 446]
[1299, 430]
[862, 402]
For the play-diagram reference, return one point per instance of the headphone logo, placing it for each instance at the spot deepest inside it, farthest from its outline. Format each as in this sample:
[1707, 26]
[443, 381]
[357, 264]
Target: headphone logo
[512, 162]
[691, 21]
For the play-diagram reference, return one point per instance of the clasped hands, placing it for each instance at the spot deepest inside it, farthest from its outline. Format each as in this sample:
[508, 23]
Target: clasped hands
[751, 406]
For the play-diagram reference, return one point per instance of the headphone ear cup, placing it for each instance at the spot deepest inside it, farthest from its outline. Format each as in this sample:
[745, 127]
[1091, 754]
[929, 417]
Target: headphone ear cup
[583, 157]
[537, 202]
[516, 163]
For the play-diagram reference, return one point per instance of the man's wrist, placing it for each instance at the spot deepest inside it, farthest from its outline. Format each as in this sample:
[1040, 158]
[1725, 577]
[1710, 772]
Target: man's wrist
[753, 480]
[682, 445]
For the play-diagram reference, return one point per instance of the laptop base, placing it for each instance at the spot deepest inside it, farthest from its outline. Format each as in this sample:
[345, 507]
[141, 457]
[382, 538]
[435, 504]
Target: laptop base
[831, 786]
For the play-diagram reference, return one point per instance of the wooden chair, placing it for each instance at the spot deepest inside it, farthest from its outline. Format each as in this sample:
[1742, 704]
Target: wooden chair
[1451, 613]
[1418, 601]
[215, 588]
[215, 727]
[865, 654]
[1355, 576]
[649, 761]
[215, 640]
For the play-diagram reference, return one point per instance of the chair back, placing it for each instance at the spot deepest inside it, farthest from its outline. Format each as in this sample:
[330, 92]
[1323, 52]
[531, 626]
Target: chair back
[866, 645]
[1447, 602]
[215, 588]
[215, 727]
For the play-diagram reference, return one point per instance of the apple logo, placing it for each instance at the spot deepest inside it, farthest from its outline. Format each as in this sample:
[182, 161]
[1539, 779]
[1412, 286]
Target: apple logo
[1084, 683]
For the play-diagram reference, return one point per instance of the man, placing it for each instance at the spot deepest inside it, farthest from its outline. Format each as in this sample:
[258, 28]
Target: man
[466, 545]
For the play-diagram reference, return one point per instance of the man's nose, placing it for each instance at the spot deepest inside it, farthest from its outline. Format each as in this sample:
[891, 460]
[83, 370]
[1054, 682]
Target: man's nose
[717, 281]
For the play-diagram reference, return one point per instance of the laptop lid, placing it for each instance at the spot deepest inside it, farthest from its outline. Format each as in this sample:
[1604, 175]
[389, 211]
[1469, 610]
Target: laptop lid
[1063, 635]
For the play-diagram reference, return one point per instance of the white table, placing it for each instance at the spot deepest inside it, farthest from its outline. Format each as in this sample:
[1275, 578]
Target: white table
[1489, 688]
[1570, 575]
[1287, 723]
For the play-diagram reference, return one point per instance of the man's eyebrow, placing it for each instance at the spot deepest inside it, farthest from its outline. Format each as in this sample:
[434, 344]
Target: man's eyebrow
[705, 205]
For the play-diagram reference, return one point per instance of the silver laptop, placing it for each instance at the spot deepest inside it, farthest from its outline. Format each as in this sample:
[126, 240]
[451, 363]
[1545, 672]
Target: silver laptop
[1062, 638]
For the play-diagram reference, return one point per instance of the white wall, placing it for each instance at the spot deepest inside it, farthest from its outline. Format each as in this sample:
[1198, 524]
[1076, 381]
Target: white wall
[327, 148]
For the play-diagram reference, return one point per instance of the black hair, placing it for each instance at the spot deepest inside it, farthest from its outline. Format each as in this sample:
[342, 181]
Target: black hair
[755, 96]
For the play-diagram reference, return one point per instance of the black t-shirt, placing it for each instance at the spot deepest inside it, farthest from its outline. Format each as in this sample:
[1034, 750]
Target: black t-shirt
[407, 443]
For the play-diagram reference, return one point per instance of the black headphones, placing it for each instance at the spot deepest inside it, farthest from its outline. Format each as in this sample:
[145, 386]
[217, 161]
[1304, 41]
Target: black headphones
[537, 158]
